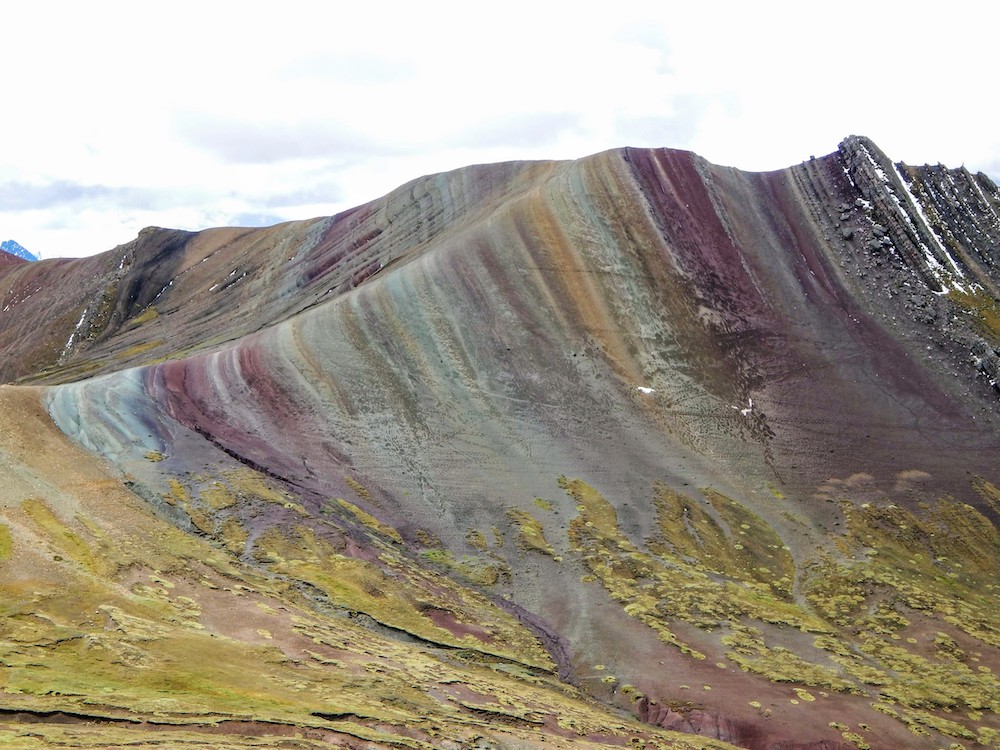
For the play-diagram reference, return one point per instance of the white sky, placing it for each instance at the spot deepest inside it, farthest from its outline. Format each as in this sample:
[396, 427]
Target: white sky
[116, 116]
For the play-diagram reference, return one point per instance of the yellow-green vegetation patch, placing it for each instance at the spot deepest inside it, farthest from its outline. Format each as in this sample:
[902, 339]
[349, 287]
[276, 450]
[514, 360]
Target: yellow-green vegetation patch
[354, 584]
[946, 647]
[370, 521]
[218, 496]
[150, 313]
[857, 740]
[938, 724]
[130, 663]
[427, 539]
[178, 493]
[740, 545]
[989, 492]
[234, 536]
[759, 553]
[673, 583]
[888, 569]
[940, 562]
[476, 539]
[400, 597]
[985, 307]
[252, 484]
[154, 456]
[475, 570]
[531, 535]
[934, 564]
[988, 737]
[145, 346]
[359, 489]
[543, 504]
[6, 544]
[232, 487]
[59, 534]
[918, 682]
[204, 521]
[778, 664]
[108, 736]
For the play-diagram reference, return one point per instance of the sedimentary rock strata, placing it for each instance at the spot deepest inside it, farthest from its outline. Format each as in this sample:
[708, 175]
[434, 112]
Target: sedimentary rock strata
[636, 433]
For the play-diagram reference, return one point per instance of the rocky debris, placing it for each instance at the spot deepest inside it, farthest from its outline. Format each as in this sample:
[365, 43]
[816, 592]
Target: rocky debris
[986, 360]
[701, 722]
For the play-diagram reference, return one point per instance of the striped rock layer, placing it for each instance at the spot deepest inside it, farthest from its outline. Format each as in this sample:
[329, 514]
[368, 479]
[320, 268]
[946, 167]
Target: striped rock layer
[713, 448]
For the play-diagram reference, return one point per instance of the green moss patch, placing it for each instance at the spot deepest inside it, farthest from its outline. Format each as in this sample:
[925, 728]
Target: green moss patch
[862, 595]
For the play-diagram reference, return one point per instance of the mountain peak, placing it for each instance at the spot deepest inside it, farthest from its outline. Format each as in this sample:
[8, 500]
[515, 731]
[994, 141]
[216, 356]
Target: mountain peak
[17, 250]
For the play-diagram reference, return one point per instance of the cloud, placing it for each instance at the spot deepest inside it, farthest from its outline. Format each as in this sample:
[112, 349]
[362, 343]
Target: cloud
[320, 193]
[991, 168]
[529, 130]
[249, 142]
[296, 113]
[22, 196]
[254, 219]
[351, 70]
[676, 128]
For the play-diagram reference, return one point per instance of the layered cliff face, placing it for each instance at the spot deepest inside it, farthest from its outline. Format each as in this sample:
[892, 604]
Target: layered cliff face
[713, 448]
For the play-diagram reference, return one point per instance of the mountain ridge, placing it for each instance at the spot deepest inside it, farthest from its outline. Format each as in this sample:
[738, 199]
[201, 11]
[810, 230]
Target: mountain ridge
[657, 411]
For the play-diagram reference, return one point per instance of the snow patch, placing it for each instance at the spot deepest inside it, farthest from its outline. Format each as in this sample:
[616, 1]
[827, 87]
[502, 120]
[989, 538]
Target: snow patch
[933, 264]
[927, 225]
[72, 336]
[986, 203]
[746, 411]
[644, 389]
[160, 293]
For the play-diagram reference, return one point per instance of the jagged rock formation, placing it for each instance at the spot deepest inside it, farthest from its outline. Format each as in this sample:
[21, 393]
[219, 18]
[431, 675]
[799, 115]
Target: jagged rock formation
[716, 449]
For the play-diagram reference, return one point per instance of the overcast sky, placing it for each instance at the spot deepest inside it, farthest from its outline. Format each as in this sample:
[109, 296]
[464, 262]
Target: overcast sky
[117, 116]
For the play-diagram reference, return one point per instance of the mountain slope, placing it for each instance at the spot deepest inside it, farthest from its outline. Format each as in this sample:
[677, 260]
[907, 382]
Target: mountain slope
[6, 259]
[720, 445]
[119, 628]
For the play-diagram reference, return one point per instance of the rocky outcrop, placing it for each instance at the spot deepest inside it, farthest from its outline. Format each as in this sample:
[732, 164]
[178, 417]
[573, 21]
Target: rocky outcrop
[705, 723]
[898, 224]
[986, 360]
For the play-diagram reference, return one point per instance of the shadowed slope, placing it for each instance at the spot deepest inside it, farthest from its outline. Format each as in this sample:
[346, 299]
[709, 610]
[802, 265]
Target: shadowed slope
[518, 376]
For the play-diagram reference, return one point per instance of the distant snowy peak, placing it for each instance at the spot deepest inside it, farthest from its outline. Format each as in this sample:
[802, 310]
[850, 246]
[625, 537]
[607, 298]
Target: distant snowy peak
[15, 249]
